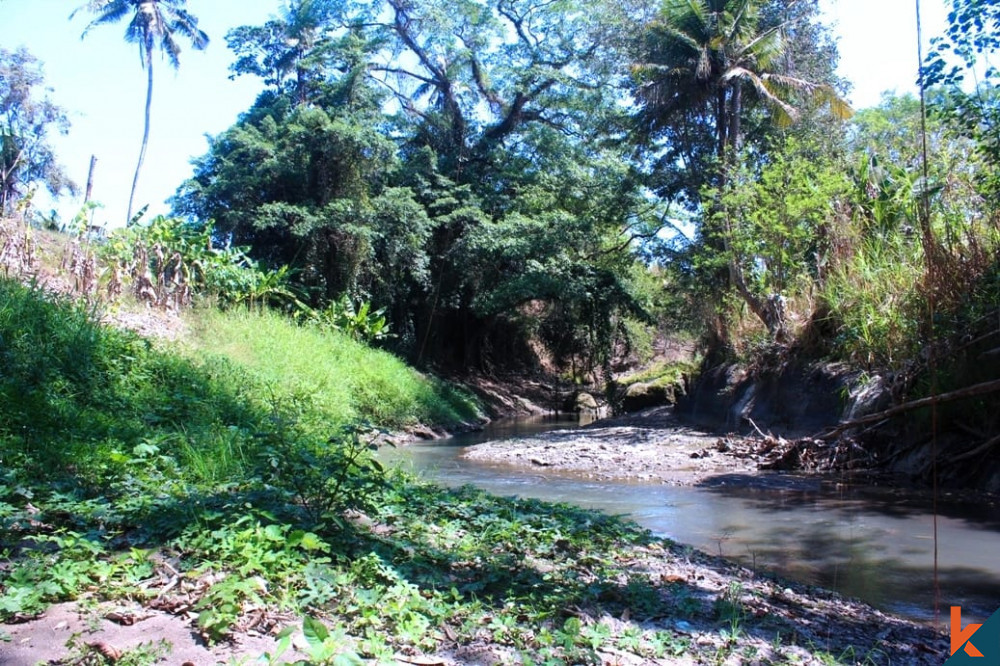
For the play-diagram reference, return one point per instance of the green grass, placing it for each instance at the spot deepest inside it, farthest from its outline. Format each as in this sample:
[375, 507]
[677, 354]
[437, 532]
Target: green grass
[341, 379]
[78, 398]
[874, 299]
[663, 373]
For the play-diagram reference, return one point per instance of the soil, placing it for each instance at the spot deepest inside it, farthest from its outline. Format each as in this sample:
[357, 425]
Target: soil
[45, 640]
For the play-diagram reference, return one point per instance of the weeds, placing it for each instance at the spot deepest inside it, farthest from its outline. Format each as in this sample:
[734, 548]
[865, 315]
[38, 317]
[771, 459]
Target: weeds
[210, 487]
[96, 653]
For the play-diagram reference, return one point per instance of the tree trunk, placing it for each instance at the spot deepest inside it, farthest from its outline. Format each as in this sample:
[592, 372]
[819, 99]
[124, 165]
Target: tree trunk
[735, 129]
[90, 179]
[145, 132]
[721, 128]
[769, 310]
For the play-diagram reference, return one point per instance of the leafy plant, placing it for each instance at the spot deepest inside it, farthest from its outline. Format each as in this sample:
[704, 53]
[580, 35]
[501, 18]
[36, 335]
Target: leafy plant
[323, 646]
[360, 323]
[322, 477]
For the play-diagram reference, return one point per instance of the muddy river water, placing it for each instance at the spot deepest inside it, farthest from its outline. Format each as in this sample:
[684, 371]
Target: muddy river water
[870, 542]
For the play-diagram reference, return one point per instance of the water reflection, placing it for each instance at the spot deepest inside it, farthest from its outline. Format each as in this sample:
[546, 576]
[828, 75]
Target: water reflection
[867, 542]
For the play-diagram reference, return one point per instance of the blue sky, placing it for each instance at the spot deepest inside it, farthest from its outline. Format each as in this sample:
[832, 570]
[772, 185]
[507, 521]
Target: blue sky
[101, 85]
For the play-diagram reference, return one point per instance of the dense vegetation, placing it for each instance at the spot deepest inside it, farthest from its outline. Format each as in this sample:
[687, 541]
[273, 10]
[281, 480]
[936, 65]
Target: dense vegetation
[510, 183]
[216, 488]
[474, 186]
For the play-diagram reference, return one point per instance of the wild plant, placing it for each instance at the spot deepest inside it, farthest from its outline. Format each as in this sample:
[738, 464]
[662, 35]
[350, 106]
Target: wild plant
[323, 478]
[360, 323]
[17, 249]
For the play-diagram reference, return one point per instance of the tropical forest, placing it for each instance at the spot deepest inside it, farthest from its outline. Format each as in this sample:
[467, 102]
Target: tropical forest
[507, 332]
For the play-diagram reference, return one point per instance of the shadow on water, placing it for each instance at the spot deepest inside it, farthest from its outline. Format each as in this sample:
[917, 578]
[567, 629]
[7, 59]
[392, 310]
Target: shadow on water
[774, 491]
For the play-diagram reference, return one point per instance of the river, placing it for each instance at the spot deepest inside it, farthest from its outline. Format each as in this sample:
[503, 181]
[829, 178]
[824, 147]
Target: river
[869, 542]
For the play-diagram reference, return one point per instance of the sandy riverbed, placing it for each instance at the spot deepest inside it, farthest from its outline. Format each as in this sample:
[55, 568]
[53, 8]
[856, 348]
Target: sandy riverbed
[649, 445]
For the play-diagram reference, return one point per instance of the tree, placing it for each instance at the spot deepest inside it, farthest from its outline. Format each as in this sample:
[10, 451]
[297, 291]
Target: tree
[706, 65]
[777, 222]
[154, 24]
[26, 158]
[291, 46]
[494, 197]
[967, 51]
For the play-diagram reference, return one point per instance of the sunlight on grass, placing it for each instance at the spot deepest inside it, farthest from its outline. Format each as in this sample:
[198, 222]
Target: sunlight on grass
[340, 380]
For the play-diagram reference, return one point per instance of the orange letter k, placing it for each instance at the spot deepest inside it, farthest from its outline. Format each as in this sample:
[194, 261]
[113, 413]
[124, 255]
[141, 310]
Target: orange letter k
[960, 636]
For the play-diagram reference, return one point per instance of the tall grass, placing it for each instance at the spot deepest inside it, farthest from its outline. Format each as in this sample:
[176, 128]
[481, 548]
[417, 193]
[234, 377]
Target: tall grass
[78, 398]
[335, 378]
[874, 296]
[83, 402]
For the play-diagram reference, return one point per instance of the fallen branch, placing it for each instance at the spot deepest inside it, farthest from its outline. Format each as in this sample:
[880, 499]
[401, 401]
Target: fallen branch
[983, 448]
[967, 392]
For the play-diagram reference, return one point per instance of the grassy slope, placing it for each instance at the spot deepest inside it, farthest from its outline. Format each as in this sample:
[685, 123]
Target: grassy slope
[122, 464]
[343, 380]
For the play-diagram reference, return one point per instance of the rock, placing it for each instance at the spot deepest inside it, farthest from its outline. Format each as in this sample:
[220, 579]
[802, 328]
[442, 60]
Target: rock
[640, 396]
[580, 401]
[422, 432]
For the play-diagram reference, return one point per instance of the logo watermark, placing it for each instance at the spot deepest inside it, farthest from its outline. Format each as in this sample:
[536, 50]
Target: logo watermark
[975, 643]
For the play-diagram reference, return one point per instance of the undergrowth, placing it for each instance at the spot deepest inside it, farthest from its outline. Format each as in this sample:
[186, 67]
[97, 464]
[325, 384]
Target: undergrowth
[342, 380]
[221, 489]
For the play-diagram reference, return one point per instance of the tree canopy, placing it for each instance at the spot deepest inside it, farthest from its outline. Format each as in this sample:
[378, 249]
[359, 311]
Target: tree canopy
[460, 164]
[27, 117]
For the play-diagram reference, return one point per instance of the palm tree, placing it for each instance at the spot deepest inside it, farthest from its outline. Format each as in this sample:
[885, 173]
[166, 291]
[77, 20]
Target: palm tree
[154, 24]
[704, 61]
[702, 56]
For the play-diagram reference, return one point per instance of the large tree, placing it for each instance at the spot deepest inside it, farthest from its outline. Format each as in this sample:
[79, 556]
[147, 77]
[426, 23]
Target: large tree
[26, 118]
[705, 67]
[152, 25]
[289, 48]
[506, 203]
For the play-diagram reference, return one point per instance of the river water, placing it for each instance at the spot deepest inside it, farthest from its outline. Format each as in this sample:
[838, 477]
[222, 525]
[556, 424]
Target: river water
[873, 543]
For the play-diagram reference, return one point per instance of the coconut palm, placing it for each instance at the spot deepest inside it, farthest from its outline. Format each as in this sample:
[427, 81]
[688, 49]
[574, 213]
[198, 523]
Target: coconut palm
[707, 57]
[706, 62]
[153, 24]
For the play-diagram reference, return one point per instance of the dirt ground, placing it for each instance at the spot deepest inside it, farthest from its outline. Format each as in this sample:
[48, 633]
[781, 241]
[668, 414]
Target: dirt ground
[49, 638]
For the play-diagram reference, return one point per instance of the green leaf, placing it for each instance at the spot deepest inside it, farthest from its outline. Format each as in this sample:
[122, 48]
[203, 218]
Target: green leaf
[312, 542]
[274, 533]
[315, 631]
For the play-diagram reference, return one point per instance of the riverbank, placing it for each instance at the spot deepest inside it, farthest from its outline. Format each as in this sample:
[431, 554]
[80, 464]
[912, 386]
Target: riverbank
[453, 577]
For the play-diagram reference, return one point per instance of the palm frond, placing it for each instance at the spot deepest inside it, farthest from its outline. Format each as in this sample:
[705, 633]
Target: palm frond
[678, 35]
[153, 23]
[170, 48]
[784, 113]
[766, 47]
[183, 23]
[109, 12]
[820, 92]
